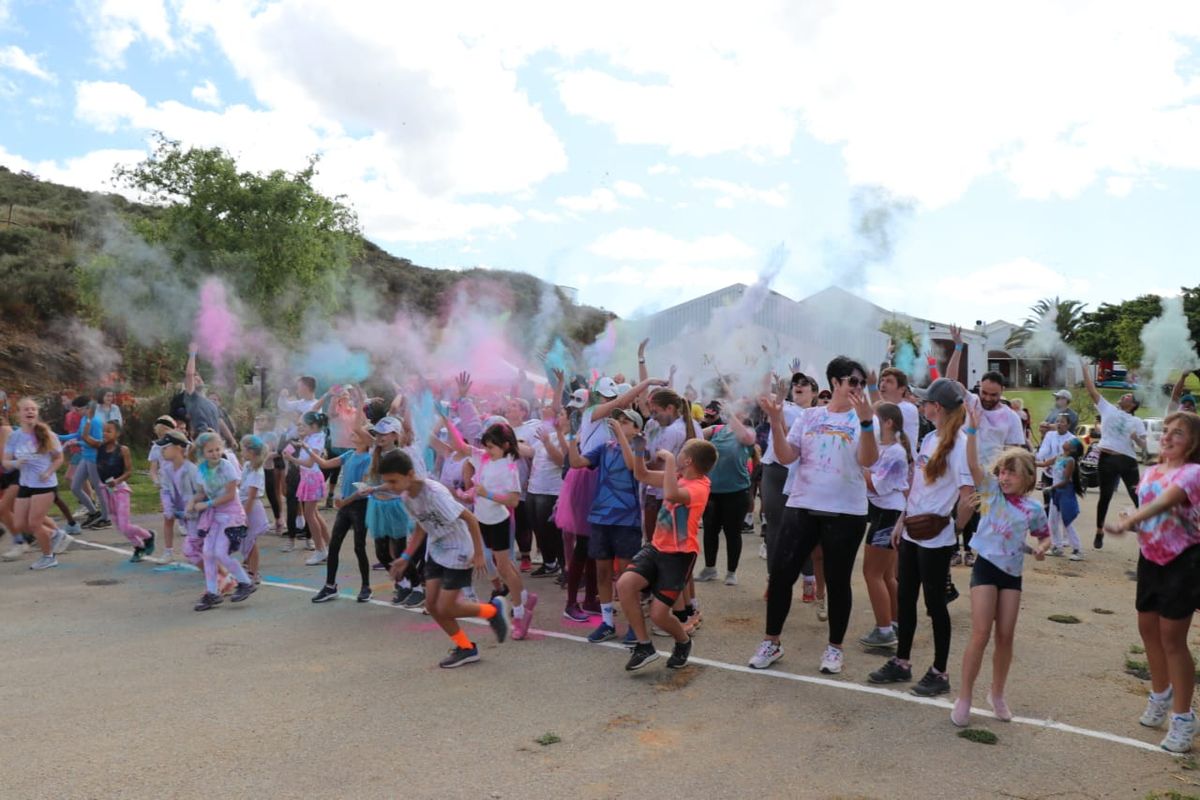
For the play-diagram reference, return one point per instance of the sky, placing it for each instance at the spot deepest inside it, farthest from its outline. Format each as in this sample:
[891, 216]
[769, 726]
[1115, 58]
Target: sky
[956, 161]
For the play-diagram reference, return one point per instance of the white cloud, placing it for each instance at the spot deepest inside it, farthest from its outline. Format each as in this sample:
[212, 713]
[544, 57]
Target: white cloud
[207, 94]
[115, 25]
[602, 200]
[543, 216]
[730, 193]
[629, 189]
[663, 169]
[92, 171]
[647, 244]
[16, 59]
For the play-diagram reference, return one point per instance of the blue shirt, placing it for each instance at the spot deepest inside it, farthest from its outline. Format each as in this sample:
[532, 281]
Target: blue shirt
[95, 430]
[616, 500]
[730, 473]
[354, 469]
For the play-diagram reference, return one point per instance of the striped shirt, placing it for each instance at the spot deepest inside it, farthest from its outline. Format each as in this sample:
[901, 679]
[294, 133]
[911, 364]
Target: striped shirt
[447, 538]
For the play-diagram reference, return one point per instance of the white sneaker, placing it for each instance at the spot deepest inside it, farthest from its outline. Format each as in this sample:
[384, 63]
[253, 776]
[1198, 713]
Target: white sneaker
[73, 528]
[319, 557]
[822, 609]
[309, 545]
[1077, 556]
[1157, 711]
[762, 551]
[731, 579]
[767, 654]
[289, 545]
[45, 562]
[1180, 734]
[17, 551]
[707, 574]
[831, 661]
[469, 595]
[60, 541]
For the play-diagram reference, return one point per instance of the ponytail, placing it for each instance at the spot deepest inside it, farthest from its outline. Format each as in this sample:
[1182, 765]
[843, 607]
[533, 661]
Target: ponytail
[316, 419]
[952, 423]
[890, 412]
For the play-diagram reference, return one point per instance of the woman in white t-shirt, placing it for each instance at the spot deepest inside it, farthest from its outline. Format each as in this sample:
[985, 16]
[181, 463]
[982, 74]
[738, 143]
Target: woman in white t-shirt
[1122, 437]
[826, 505]
[925, 538]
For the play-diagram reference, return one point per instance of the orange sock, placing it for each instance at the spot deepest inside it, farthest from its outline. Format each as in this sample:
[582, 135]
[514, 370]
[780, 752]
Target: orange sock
[460, 640]
[486, 611]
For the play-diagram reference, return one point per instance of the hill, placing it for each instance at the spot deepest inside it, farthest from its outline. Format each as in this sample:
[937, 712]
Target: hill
[48, 230]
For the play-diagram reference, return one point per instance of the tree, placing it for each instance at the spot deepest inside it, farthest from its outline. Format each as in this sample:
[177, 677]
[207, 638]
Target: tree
[900, 332]
[1068, 316]
[272, 237]
[1113, 331]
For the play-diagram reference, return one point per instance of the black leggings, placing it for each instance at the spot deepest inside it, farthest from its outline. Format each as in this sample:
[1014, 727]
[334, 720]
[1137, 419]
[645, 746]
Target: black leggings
[522, 529]
[290, 485]
[1115, 467]
[923, 570]
[349, 516]
[725, 513]
[839, 536]
[582, 570]
[272, 492]
[384, 549]
[541, 519]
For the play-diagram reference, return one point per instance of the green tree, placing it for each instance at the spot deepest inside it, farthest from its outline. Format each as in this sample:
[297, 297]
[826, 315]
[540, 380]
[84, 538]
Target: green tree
[899, 332]
[1068, 317]
[1113, 331]
[270, 236]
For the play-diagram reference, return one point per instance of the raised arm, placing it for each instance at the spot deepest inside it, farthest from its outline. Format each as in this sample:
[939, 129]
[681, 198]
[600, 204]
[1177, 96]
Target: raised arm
[743, 434]
[189, 372]
[623, 401]
[956, 359]
[868, 447]
[635, 460]
[672, 491]
[643, 372]
[975, 415]
[1089, 383]
[784, 452]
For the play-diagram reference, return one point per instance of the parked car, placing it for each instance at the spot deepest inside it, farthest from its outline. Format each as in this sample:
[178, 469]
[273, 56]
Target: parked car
[1117, 384]
[1154, 431]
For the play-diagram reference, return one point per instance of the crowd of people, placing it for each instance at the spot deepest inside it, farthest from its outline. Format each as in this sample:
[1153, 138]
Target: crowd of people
[622, 486]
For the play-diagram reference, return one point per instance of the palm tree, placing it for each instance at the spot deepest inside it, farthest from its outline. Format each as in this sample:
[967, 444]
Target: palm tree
[1067, 315]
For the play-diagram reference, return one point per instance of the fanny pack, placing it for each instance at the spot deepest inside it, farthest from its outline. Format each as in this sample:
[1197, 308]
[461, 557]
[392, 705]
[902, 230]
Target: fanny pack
[925, 526]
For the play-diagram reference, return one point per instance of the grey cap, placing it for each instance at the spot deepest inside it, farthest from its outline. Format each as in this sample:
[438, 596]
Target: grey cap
[632, 416]
[946, 393]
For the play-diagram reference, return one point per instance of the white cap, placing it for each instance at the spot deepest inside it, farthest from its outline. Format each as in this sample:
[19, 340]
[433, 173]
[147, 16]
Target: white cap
[387, 425]
[606, 387]
[579, 399]
[1064, 394]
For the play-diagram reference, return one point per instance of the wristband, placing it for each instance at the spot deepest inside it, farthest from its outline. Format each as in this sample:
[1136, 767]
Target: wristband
[958, 348]
[641, 361]
[866, 426]
[969, 431]
[405, 556]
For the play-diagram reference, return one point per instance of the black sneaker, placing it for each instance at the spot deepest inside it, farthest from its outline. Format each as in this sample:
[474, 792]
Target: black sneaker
[243, 591]
[364, 594]
[891, 672]
[643, 654]
[148, 545]
[501, 592]
[679, 656]
[207, 601]
[326, 594]
[1098, 542]
[932, 685]
[99, 525]
[951, 593]
[458, 656]
[545, 571]
[401, 594]
[415, 599]
[138, 553]
[89, 519]
[502, 622]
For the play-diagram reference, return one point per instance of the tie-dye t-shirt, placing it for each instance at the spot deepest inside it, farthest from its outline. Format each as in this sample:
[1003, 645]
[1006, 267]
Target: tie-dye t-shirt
[677, 529]
[828, 477]
[889, 475]
[1165, 536]
[1004, 522]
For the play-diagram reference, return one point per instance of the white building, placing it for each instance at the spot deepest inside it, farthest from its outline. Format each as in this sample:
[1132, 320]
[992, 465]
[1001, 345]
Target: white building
[1021, 368]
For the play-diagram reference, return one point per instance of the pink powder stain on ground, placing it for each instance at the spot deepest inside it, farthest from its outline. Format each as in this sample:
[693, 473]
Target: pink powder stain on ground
[217, 327]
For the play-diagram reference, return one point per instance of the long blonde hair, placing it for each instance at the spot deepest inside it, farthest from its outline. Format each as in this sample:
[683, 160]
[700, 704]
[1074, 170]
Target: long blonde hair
[952, 423]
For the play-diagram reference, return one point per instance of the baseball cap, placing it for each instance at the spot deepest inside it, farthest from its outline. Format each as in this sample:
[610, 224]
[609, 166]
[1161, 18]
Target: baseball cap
[174, 437]
[387, 425]
[579, 399]
[714, 406]
[1188, 398]
[946, 393]
[1063, 393]
[606, 387]
[631, 415]
[165, 419]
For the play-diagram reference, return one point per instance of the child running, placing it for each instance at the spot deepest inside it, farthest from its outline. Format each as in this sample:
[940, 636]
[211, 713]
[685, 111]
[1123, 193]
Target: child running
[455, 550]
[1168, 593]
[222, 523]
[1007, 517]
[665, 565]
[114, 465]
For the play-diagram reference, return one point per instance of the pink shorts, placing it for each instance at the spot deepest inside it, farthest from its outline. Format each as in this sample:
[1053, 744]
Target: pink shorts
[312, 486]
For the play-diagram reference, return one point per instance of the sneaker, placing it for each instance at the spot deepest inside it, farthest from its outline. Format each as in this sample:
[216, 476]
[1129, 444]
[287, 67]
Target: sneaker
[1180, 734]
[148, 545]
[679, 656]
[60, 541]
[289, 545]
[809, 594]
[208, 600]
[468, 594]
[364, 594]
[891, 672]
[643, 654]
[326, 594]
[136, 558]
[762, 551]
[99, 525]
[707, 574]
[932, 685]
[960, 714]
[401, 593]
[1077, 555]
[1056, 552]
[576, 614]
[603, 633]
[968, 559]
[501, 592]
[378, 566]
[73, 528]
[1098, 542]
[526, 564]
[309, 544]
[831, 660]
[243, 591]
[731, 579]
[822, 609]
[45, 562]
[1000, 708]
[415, 599]
[521, 626]
[1157, 711]
[318, 557]
[877, 638]
[89, 519]
[458, 656]
[545, 570]
[18, 550]
[767, 654]
[951, 593]
[502, 622]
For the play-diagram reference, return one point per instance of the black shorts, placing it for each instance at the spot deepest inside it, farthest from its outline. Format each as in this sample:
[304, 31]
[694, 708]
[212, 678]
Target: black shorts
[496, 536]
[451, 579]
[30, 491]
[1170, 590]
[8, 479]
[614, 541]
[985, 573]
[880, 522]
[667, 573]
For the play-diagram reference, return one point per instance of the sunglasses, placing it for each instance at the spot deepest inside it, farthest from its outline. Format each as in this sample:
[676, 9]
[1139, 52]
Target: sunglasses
[854, 381]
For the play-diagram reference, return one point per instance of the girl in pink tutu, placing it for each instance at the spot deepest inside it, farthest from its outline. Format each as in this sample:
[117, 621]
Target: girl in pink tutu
[311, 490]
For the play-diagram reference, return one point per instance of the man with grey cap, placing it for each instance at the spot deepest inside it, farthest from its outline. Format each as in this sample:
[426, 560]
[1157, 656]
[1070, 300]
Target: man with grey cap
[1062, 405]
